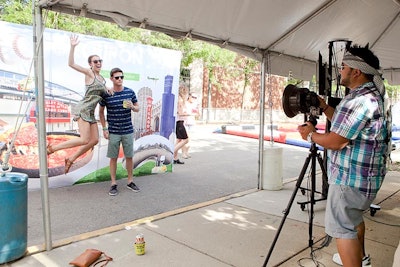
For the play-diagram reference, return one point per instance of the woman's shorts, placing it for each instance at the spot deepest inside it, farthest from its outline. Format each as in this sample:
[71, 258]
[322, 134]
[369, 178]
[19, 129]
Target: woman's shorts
[181, 130]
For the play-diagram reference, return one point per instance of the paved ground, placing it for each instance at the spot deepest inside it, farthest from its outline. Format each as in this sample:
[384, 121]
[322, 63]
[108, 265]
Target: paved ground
[208, 212]
[221, 165]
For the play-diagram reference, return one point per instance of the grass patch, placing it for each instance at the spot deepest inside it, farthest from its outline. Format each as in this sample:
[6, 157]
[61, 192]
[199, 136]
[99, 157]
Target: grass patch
[103, 174]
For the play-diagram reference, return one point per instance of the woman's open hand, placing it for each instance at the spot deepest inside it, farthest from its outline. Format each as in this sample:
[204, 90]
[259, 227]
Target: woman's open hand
[74, 40]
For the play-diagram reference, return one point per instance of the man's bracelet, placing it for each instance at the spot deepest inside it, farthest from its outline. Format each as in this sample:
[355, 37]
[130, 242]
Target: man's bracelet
[105, 129]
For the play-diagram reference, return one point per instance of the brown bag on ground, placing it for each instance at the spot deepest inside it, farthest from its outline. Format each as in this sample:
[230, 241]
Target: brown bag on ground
[90, 256]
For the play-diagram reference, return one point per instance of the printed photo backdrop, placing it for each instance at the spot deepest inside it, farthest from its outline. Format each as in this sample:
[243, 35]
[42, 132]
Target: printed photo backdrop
[153, 73]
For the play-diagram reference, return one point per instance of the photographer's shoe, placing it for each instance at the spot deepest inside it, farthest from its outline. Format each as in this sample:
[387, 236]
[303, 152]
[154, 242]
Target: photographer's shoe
[366, 261]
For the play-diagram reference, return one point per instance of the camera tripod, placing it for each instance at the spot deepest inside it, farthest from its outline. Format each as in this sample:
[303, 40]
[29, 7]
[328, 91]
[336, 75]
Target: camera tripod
[313, 156]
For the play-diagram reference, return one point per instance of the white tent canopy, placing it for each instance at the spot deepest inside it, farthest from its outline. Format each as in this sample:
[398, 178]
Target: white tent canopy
[291, 33]
[285, 35]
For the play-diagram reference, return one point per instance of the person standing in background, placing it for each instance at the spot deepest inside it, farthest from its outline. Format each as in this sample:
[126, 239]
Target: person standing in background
[181, 135]
[120, 128]
[190, 112]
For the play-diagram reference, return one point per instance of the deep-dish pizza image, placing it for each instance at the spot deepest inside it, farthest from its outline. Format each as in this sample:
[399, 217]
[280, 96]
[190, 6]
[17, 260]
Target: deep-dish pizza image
[24, 155]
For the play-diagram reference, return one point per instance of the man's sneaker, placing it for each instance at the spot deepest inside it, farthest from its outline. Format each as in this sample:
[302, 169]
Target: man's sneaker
[366, 261]
[113, 190]
[133, 187]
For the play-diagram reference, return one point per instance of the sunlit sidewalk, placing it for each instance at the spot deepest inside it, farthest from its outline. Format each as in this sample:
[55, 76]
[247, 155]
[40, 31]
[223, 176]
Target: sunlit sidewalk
[237, 230]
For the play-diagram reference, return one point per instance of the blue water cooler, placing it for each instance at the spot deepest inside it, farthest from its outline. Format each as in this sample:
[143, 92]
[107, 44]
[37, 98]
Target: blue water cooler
[13, 216]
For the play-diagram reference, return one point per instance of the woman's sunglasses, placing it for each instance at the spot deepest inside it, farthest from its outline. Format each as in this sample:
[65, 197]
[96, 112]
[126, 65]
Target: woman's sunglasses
[97, 61]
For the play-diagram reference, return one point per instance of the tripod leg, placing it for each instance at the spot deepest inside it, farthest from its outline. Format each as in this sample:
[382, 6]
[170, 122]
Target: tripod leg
[287, 210]
[315, 156]
[312, 197]
[325, 185]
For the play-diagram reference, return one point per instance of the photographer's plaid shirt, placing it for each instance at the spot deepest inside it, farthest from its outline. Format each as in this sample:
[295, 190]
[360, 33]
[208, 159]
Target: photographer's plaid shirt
[359, 117]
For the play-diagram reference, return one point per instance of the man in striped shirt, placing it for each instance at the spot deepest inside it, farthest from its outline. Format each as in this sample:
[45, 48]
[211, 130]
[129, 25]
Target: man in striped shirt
[120, 128]
[357, 152]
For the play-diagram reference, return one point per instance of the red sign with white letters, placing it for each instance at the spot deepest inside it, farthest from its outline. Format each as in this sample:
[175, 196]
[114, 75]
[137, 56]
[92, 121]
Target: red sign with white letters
[56, 111]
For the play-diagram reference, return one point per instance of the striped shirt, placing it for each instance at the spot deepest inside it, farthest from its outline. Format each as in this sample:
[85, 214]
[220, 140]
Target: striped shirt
[362, 163]
[119, 119]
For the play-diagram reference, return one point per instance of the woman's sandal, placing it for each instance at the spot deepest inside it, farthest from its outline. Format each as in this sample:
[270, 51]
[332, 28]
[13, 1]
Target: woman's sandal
[49, 149]
[68, 165]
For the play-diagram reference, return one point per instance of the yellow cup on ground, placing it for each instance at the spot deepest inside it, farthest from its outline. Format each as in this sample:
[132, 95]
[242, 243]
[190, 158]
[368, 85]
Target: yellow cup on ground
[140, 248]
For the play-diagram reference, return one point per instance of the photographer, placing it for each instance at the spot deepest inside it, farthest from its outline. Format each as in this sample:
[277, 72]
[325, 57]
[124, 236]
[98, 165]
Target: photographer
[357, 146]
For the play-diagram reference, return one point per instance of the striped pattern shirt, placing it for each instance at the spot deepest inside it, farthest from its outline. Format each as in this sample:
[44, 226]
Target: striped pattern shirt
[119, 119]
[362, 163]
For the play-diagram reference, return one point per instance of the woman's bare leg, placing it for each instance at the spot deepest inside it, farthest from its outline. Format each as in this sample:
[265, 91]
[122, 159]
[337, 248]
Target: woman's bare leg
[90, 138]
[178, 145]
[84, 138]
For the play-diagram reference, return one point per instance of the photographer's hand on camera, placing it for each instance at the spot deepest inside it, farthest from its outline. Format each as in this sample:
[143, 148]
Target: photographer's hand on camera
[306, 131]
[326, 109]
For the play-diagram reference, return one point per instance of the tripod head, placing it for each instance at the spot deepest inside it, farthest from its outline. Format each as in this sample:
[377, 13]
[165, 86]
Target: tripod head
[312, 116]
[312, 119]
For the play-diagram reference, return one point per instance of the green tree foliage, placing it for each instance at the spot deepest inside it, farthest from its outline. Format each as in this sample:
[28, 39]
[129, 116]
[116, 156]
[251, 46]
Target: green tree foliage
[392, 91]
[16, 11]
[20, 12]
[227, 64]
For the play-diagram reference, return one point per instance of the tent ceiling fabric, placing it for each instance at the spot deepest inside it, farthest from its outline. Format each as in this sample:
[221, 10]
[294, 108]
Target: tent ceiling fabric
[291, 32]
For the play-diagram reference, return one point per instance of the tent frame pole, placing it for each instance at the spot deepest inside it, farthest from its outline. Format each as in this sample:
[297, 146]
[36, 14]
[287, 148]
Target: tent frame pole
[262, 121]
[38, 30]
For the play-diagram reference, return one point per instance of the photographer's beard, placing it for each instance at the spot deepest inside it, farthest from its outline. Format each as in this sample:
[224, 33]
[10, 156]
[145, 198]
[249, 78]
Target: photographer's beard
[345, 80]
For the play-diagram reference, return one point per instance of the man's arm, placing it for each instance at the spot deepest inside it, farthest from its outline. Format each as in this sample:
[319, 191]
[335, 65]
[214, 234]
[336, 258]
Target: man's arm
[103, 121]
[329, 140]
[326, 109]
[102, 117]
[135, 107]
